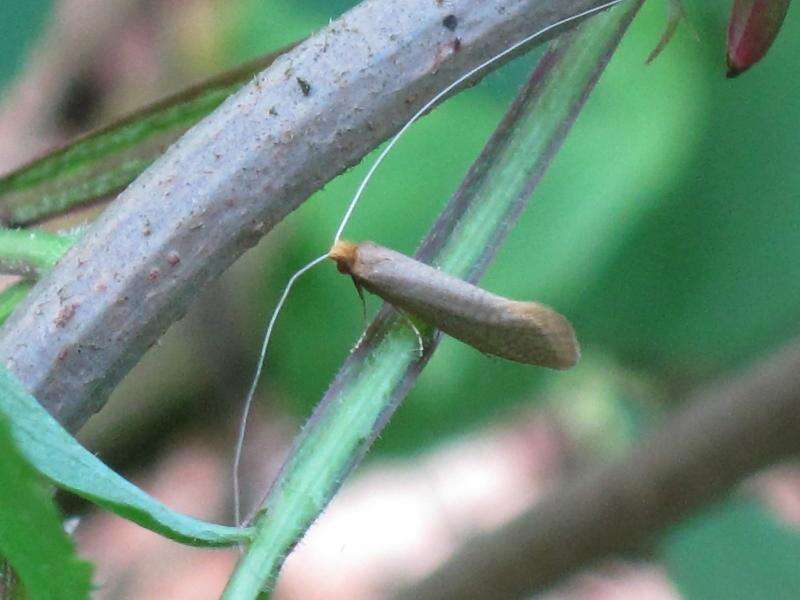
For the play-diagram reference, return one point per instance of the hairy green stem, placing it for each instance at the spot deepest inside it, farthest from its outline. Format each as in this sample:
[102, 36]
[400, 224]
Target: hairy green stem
[381, 370]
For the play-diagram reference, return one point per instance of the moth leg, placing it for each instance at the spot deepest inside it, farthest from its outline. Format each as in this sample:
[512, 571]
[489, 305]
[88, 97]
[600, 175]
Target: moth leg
[360, 291]
[410, 323]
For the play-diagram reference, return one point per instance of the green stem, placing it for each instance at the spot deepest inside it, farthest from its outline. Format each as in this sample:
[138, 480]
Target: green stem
[379, 373]
[11, 296]
[106, 160]
[31, 252]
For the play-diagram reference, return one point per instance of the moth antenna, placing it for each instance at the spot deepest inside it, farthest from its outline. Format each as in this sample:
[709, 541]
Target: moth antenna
[237, 457]
[427, 106]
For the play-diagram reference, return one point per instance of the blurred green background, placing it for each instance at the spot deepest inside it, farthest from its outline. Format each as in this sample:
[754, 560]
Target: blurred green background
[667, 229]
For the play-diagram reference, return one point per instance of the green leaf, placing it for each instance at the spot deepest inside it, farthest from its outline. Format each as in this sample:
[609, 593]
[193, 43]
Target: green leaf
[108, 159]
[11, 296]
[56, 455]
[31, 252]
[32, 539]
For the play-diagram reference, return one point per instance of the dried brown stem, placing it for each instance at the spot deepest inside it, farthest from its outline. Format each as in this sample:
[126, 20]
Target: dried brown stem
[722, 435]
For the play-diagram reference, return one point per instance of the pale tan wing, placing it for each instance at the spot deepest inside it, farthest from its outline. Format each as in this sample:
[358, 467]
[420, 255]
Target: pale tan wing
[525, 332]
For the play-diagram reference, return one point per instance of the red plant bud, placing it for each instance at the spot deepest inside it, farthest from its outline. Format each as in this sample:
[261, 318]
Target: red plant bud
[753, 26]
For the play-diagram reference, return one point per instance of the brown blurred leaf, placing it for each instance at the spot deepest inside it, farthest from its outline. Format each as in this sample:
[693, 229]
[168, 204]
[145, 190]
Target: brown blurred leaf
[753, 26]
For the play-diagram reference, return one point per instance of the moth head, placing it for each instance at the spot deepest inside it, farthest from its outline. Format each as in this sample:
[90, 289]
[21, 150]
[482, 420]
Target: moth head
[344, 253]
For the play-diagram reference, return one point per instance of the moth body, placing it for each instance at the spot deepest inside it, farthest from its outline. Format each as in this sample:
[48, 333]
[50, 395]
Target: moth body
[526, 332]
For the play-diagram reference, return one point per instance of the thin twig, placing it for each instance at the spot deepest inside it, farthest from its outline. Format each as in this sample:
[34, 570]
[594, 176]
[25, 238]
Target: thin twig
[724, 434]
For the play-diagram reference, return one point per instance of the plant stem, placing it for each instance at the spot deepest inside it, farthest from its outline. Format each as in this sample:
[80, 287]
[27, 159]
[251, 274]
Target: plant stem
[31, 252]
[104, 161]
[379, 373]
[11, 296]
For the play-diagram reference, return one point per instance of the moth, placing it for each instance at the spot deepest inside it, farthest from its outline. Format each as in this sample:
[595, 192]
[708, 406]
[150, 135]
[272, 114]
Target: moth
[526, 332]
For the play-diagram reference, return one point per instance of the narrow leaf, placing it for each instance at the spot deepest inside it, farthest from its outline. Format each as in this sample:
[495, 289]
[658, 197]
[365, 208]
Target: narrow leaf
[105, 161]
[31, 252]
[56, 455]
[11, 296]
[753, 26]
[32, 539]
